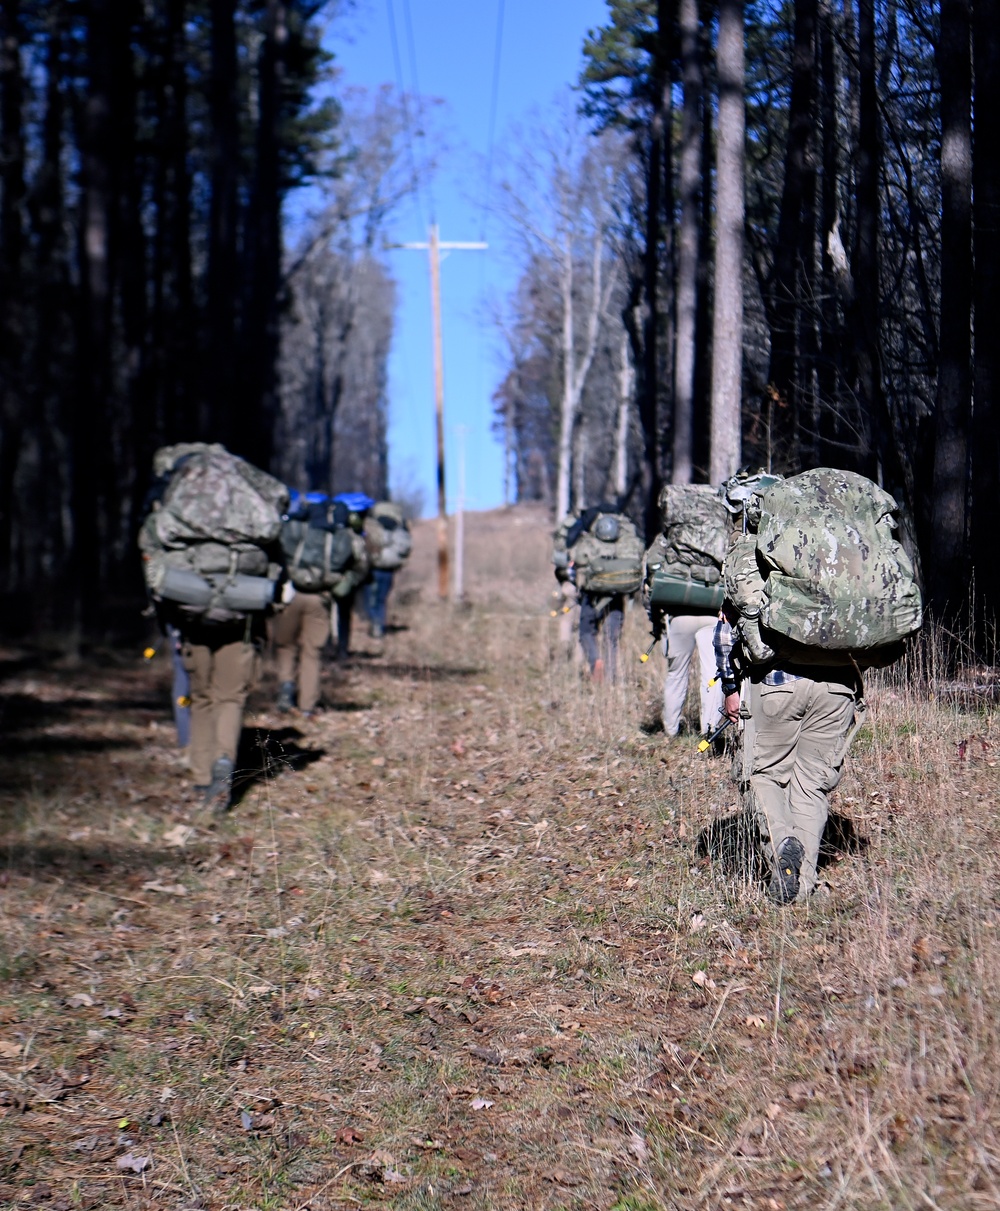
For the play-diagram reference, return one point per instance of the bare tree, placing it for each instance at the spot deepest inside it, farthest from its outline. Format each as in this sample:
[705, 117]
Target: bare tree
[559, 204]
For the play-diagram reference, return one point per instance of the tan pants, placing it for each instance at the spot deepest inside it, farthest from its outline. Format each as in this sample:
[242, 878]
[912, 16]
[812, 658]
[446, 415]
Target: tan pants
[300, 630]
[794, 745]
[221, 677]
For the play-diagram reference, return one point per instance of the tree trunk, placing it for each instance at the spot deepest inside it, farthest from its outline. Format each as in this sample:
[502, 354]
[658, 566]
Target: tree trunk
[258, 395]
[727, 324]
[13, 409]
[791, 282]
[986, 287]
[224, 150]
[949, 566]
[687, 243]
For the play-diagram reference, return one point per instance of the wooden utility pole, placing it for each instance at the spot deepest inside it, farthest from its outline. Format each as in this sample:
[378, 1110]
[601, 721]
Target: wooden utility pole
[434, 247]
[461, 431]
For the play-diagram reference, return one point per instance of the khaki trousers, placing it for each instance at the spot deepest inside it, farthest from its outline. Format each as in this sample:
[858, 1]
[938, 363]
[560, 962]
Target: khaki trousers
[301, 630]
[221, 676]
[794, 745]
[685, 632]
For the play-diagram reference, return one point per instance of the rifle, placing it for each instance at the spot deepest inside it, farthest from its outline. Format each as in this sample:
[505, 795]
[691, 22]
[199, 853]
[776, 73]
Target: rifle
[658, 619]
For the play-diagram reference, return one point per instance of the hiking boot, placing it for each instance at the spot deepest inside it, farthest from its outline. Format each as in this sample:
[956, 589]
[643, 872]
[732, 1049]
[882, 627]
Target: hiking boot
[286, 697]
[785, 866]
[219, 794]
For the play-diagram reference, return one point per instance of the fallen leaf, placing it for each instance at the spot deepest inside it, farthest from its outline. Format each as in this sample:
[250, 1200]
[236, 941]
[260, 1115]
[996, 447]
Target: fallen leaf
[480, 1103]
[756, 1021]
[697, 922]
[246, 1120]
[563, 1178]
[393, 1175]
[701, 979]
[168, 889]
[10, 1051]
[177, 837]
[487, 1054]
[80, 1000]
[134, 1163]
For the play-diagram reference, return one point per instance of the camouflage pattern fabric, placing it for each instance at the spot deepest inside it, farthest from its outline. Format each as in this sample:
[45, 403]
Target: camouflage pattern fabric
[560, 555]
[211, 527]
[825, 578]
[609, 567]
[390, 536]
[213, 496]
[696, 528]
[315, 558]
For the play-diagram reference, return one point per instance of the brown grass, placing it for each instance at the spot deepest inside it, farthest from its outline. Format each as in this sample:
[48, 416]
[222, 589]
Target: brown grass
[455, 946]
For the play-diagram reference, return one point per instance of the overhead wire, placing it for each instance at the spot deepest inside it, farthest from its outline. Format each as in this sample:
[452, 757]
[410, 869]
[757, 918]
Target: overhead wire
[419, 99]
[407, 122]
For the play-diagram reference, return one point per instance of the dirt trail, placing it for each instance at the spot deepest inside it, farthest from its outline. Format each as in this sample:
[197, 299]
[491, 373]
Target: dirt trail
[454, 946]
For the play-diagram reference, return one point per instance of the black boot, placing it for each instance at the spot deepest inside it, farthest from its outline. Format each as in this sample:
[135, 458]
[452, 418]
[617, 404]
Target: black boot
[785, 866]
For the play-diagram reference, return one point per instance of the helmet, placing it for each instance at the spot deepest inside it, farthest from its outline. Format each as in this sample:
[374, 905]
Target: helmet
[607, 528]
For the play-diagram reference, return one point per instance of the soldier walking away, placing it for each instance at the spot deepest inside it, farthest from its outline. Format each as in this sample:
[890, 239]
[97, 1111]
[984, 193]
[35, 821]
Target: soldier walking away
[388, 535]
[817, 589]
[212, 565]
[357, 504]
[682, 588]
[319, 553]
[601, 553]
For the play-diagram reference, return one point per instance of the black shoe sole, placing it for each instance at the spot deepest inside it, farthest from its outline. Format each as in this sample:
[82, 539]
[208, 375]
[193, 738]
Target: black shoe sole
[784, 884]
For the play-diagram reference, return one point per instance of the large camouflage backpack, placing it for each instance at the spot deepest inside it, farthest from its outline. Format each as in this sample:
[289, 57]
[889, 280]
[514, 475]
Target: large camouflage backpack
[607, 555]
[682, 570]
[389, 534]
[823, 580]
[208, 538]
[317, 545]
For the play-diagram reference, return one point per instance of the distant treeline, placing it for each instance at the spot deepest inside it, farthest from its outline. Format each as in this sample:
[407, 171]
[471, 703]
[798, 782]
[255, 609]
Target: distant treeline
[146, 150]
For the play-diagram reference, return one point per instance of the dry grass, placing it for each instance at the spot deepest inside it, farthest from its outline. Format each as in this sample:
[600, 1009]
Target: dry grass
[455, 946]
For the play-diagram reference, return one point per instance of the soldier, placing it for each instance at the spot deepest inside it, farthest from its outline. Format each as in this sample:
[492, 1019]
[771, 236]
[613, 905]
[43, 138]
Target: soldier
[358, 504]
[817, 588]
[604, 557]
[299, 633]
[686, 634]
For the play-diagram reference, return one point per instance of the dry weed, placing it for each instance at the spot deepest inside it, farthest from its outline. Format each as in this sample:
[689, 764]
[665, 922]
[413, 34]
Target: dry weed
[458, 943]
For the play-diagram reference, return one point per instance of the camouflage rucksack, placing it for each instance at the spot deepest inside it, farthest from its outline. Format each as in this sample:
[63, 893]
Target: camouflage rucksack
[317, 545]
[824, 579]
[683, 567]
[210, 533]
[387, 528]
[607, 557]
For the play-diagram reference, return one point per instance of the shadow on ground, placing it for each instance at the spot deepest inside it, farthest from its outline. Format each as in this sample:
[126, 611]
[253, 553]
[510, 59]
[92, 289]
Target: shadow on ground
[734, 842]
[267, 754]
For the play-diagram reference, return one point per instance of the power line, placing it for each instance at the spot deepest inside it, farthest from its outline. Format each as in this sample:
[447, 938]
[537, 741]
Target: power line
[407, 124]
[419, 100]
[494, 94]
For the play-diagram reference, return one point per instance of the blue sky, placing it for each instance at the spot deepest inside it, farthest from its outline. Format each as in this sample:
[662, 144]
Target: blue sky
[453, 51]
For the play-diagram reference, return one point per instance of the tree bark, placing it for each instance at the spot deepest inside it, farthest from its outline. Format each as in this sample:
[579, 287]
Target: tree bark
[949, 565]
[689, 181]
[986, 288]
[727, 325]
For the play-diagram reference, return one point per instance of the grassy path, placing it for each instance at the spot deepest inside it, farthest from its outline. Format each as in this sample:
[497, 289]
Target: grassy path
[456, 945]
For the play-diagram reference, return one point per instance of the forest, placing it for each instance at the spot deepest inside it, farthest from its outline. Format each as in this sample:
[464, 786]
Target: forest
[758, 234]
[768, 237]
[153, 287]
